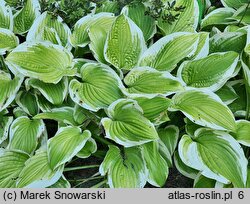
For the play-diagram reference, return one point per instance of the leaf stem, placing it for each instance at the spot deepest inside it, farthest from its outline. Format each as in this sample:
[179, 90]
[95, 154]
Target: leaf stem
[244, 13]
[98, 185]
[88, 179]
[80, 167]
[101, 140]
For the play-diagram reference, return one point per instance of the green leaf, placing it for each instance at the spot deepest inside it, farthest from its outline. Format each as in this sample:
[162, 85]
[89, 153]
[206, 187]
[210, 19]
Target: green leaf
[125, 43]
[61, 183]
[5, 122]
[24, 134]
[136, 12]
[227, 94]
[242, 134]
[218, 17]
[54, 93]
[99, 88]
[216, 154]
[126, 124]
[125, 169]
[65, 145]
[187, 20]
[203, 46]
[8, 40]
[80, 114]
[80, 38]
[46, 24]
[8, 89]
[24, 18]
[28, 102]
[11, 164]
[242, 14]
[233, 3]
[6, 18]
[211, 72]
[166, 53]
[62, 114]
[146, 81]
[154, 109]
[156, 165]
[37, 172]
[42, 60]
[204, 108]
[204, 182]
[89, 148]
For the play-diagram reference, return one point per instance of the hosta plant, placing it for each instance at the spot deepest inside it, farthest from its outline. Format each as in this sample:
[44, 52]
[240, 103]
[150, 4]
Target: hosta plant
[121, 92]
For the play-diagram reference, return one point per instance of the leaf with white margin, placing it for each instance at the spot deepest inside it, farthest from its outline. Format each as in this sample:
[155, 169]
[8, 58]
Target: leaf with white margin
[126, 124]
[24, 18]
[37, 172]
[5, 122]
[242, 134]
[154, 109]
[228, 41]
[62, 114]
[28, 102]
[219, 16]
[66, 144]
[167, 52]
[80, 114]
[51, 35]
[155, 163]
[183, 168]
[125, 43]
[98, 32]
[146, 81]
[54, 93]
[8, 40]
[204, 108]
[24, 134]
[233, 3]
[61, 183]
[136, 12]
[6, 18]
[242, 15]
[11, 164]
[227, 94]
[47, 22]
[203, 182]
[211, 72]
[125, 169]
[80, 38]
[89, 148]
[216, 154]
[42, 60]
[202, 47]
[187, 20]
[100, 87]
[8, 89]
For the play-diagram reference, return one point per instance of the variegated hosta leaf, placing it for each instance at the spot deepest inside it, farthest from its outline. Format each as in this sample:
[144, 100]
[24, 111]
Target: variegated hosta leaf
[80, 38]
[89, 148]
[216, 154]
[183, 168]
[210, 72]
[8, 89]
[5, 122]
[6, 18]
[167, 52]
[204, 182]
[99, 88]
[37, 172]
[126, 124]
[156, 165]
[98, 32]
[204, 108]
[227, 94]
[62, 114]
[24, 18]
[11, 164]
[228, 41]
[233, 3]
[28, 102]
[146, 81]
[44, 28]
[154, 109]
[108, 6]
[125, 43]
[80, 114]
[242, 134]
[54, 93]
[42, 60]
[242, 15]
[220, 16]
[66, 144]
[124, 169]
[187, 20]
[24, 134]
[203, 46]
[61, 183]
[136, 12]
[8, 40]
